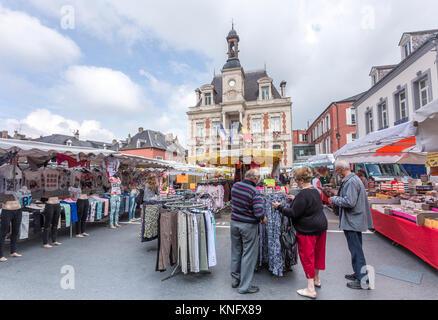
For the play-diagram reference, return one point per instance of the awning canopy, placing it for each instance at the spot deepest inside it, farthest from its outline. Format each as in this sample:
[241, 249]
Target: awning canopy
[229, 158]
[321, 160]
[393, 145]
[41, 149]
[427, 119]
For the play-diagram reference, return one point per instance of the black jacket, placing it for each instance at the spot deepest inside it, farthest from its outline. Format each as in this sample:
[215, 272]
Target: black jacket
[307, 213]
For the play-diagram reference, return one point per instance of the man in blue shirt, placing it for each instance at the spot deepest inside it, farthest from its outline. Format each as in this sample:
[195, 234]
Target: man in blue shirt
[246, 213]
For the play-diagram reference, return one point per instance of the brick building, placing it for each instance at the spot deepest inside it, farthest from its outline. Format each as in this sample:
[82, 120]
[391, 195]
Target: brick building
[335, 126]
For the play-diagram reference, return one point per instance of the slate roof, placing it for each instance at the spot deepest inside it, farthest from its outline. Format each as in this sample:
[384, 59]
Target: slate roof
[62, 140]
[353, 98]
[251, 87]
[418, 33]
[153, 139]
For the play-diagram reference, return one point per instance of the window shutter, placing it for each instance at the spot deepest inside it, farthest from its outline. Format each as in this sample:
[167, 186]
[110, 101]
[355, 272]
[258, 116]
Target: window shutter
[348, 111]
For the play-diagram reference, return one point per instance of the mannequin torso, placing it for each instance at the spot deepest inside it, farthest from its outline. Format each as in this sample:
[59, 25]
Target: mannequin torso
[11, 205]
[53, 200]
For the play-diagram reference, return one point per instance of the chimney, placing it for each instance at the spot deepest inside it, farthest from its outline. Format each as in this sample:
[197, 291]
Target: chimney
[77, 134]
[4, 134]
[129, 138]
[283, 89]
[198, 95]
[140, 130]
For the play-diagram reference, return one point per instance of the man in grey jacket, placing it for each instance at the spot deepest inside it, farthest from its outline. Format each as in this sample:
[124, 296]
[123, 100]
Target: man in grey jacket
[355, 218]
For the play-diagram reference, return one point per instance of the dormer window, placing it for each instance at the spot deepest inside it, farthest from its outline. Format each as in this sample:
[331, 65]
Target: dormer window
[69, 143]
[408, 49]
[207, 94]
[265, 88]
[265, 93]
[208, 99]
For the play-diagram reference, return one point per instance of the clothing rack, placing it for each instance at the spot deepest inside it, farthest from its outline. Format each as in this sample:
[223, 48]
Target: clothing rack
[185, 207]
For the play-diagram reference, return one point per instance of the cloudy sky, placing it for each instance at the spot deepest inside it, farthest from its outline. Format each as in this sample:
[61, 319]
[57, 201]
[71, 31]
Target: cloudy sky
[108, 67]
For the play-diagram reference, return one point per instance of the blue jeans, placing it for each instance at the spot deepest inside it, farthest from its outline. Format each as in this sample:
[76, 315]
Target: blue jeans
[354, 241]
[132, 206]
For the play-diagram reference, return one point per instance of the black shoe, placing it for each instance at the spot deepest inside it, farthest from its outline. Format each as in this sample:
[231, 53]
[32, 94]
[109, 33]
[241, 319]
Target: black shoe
[357, 285]
[252, 289]
[351, 277]
[235, 284]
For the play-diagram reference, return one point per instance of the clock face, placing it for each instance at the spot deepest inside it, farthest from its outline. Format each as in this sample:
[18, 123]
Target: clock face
[232, 83]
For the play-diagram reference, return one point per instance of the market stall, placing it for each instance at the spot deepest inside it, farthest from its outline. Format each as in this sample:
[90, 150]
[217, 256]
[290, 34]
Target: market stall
[405, 212]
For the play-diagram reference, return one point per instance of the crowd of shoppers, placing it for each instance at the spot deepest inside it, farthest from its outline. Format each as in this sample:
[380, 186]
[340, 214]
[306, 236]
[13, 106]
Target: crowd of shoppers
[309, 220]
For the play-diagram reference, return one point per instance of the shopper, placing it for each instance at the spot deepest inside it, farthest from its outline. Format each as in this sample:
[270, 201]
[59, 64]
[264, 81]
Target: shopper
[362, 178]
[316, 182]
[246, 213]
[355, 218]
[151, 189]
[310, 223]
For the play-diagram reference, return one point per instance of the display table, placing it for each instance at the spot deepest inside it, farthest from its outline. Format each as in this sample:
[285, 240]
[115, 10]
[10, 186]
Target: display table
[422, 241]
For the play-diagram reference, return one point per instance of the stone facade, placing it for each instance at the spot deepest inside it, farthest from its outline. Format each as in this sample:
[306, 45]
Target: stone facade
[237, 98]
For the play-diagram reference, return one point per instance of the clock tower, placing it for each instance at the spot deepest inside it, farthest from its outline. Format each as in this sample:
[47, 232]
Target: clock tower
[233, 76]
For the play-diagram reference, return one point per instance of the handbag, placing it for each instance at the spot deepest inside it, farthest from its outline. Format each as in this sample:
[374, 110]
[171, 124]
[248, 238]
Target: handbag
[288, 238]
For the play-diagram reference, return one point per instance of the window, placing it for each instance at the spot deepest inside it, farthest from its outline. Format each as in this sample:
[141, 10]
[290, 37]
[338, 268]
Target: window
[200, 129]
[353, 117]
[327, 123]
[215, 127]
[383, 115]
[235, 127]
[423, 92]
[199, 151]
[276, 147]
[275, 124]
[207, 99]
[369, 121]
[401, 106]
[303, 137]
[265, 93]
[407, 49]
[374, 79]
[256, 125]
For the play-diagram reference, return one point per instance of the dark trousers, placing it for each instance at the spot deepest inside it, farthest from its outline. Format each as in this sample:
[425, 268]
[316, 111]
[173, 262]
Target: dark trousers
[354, 241]
[51, 218]
[244, 250]
[82, 205]
[7, 218]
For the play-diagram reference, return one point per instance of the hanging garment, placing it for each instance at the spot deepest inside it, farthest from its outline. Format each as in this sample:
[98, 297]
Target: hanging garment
[7, 157]
[202, 239]
[7, 179]
[272, 254]
[195, 243]
[74, 193]
[73, 209]
[183, 252]
[111, 165]
[50, 177]
[24, 197]
[92, 209]
[149, 225]
[67, 213]
[75, 178]
[33, 180]
[167, 239]
[64, 179]
[210, 226]
[100, 205]
[132, 205]
[24, 228]
[36, 163]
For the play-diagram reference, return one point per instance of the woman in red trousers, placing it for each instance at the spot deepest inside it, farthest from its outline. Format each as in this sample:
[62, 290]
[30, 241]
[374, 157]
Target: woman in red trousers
[310, 222]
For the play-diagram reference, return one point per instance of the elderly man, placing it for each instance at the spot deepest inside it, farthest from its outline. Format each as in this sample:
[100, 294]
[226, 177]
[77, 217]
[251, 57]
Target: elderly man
[355, 218]
[246, 213]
